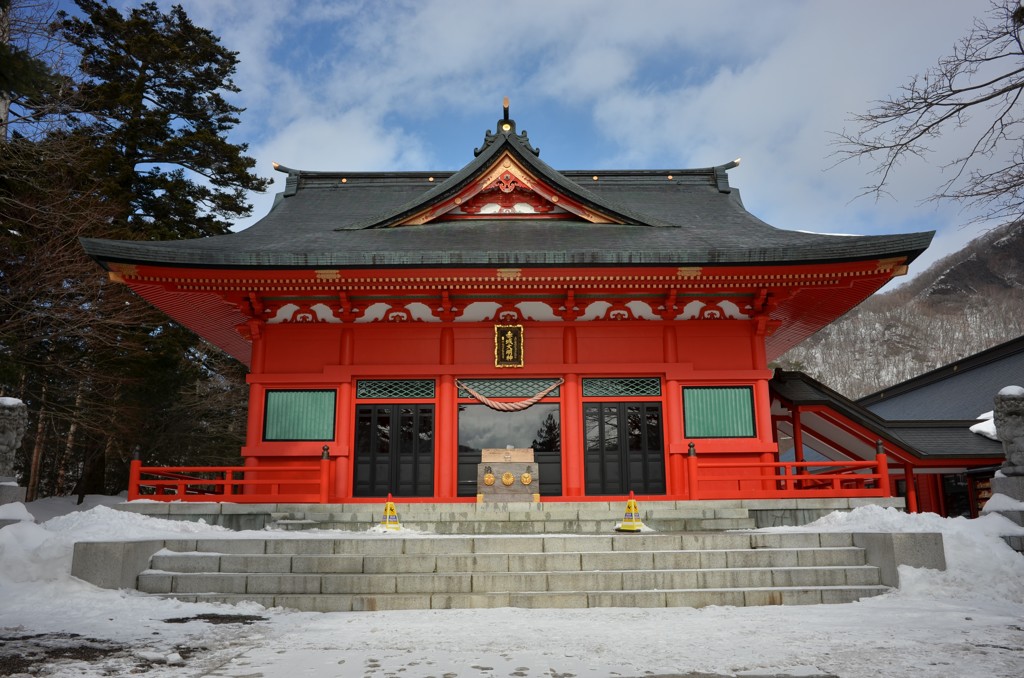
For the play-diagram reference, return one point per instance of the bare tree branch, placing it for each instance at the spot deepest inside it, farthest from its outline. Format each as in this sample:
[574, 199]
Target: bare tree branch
[984, 76]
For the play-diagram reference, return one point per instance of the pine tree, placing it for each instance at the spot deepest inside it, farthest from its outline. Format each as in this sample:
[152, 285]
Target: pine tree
[25, 79]
[152, 98]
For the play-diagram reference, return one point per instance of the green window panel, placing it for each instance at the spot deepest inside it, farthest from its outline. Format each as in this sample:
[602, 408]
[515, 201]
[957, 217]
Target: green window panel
[624, 387]
[299, 415]
[507, 388]
[719, 412]
[395, 388]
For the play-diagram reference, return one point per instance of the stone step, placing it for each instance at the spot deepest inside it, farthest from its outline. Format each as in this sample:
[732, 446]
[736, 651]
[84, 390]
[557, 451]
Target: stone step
[583, 561]
[526, 526]
[353, 516]
[803, 595]
[152, 581]
[505, 512]
[575, 518]
[398, 543]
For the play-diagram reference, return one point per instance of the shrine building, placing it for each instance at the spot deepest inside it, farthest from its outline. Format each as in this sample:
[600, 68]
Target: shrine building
[618, 322]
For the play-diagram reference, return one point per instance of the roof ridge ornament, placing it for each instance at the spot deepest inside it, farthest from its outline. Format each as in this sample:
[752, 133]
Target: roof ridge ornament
[721, 176]
[506, 127]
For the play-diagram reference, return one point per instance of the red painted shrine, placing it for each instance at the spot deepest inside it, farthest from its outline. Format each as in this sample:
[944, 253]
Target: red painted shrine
[625, 320]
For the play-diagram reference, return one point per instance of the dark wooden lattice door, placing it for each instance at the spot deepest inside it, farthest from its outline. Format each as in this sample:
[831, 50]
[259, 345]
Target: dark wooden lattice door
[394, 451]
[624, 448]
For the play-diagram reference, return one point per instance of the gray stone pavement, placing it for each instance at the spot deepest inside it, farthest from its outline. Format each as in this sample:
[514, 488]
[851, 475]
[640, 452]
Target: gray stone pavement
[262, 662]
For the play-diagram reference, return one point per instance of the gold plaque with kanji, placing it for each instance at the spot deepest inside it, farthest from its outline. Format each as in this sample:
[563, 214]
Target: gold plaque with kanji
[508, 345]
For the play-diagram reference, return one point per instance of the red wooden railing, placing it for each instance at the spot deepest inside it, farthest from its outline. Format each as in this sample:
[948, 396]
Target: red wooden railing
[788, 479]
[310, 483]
[295, 484]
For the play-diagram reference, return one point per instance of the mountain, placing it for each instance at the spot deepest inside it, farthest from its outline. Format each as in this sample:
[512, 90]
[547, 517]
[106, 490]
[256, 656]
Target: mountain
[964, 303]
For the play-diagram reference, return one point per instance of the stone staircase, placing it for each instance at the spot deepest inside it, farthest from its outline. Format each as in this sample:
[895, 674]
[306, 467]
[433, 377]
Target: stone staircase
[394, 571]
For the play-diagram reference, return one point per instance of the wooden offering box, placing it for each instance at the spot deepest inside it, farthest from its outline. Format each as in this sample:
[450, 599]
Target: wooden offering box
[507, 475]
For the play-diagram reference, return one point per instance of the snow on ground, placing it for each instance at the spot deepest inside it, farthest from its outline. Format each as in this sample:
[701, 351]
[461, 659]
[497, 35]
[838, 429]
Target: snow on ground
[967, 621]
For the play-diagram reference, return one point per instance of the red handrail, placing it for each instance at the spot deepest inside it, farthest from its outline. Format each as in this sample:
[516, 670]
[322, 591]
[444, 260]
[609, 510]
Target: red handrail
[301, 483]
[784, 480]
[310, 482]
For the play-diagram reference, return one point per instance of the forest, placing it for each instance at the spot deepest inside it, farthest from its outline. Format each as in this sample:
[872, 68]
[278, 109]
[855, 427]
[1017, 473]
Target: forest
[112, 125]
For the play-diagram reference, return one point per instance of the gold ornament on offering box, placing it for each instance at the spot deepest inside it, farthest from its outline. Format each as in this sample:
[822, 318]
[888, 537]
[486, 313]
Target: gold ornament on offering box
[517, 470]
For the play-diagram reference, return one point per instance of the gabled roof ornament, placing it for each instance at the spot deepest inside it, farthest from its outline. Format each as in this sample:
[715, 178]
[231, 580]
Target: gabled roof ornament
[506, 127]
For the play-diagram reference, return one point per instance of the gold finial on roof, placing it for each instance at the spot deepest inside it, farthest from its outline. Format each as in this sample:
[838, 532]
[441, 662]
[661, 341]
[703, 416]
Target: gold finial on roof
[506, 124]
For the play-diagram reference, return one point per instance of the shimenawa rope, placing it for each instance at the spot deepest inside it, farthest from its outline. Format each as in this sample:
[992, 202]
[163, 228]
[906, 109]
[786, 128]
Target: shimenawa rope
[510, 407]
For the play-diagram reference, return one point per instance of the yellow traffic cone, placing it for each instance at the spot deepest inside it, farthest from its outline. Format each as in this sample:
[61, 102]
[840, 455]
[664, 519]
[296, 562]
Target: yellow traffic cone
[631, 522]
[390, 521]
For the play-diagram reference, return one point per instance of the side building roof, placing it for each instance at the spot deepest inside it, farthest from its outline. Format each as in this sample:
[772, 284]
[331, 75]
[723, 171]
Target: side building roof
[928, 440]
[962, 389]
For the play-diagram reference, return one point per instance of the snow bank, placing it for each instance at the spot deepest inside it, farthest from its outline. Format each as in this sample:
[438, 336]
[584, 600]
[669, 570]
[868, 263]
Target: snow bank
[103, 523]
[15, 511]
[978, 562]
[1001, 502]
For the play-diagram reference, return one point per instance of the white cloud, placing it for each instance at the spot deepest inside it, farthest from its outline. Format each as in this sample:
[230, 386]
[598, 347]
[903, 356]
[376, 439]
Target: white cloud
[367, 85]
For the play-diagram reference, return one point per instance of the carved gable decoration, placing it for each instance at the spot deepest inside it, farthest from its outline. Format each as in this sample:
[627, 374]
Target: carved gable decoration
[507, 190]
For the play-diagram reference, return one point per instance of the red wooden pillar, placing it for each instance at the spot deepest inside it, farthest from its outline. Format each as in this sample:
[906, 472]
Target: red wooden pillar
[344, 431]
[343, 444]
[763, 399]
[254, 429]
[676, 446]
[447, 417]
[883, 472]
[908, 477]
[763, 410]
[134, 474]
[254, 423]
[673, 413]
[572, 421]
[572, 437]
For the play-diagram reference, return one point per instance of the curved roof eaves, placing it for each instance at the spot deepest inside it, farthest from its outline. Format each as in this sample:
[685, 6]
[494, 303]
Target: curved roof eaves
[501, 243]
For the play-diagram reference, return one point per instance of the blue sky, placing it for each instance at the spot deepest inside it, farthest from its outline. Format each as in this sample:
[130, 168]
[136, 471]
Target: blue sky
[413, 85]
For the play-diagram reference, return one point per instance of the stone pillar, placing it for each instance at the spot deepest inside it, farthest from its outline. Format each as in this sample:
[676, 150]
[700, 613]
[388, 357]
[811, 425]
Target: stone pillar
[13, 421]
[1009, 419]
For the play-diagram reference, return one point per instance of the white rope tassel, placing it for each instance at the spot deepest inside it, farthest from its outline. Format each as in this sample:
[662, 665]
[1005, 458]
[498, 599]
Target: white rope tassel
[510, 407]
